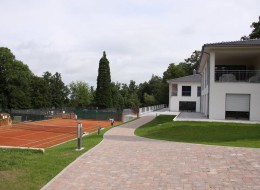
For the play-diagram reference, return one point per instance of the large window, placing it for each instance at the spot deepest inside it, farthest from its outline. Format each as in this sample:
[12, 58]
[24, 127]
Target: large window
[186, 90]
[198, 91]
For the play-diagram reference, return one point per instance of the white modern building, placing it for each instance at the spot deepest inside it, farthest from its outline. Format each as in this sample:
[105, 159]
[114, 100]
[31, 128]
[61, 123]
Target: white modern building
[230, 85]
[184, 93]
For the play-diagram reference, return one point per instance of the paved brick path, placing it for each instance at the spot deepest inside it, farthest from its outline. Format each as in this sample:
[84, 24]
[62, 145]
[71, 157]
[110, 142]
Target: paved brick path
[124, 161]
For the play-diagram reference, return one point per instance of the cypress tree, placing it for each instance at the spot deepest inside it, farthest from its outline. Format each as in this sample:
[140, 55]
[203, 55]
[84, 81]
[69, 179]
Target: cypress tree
[103, 92]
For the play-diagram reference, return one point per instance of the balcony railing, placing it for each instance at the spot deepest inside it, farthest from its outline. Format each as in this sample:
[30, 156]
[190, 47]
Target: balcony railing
[252, 76]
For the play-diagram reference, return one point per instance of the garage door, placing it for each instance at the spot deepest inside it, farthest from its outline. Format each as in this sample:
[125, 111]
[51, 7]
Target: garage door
[187, 106]
[238, 102]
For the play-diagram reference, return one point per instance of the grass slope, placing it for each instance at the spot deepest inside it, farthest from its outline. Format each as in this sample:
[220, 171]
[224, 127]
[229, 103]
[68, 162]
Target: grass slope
[214, 133]
[30, 169]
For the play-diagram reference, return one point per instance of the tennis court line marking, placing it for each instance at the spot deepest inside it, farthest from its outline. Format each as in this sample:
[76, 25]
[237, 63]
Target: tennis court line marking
[17, 130]
[67, 140]
[54, 141]
[51, 139]
[89, 129]
[15, 138]
[64, 135]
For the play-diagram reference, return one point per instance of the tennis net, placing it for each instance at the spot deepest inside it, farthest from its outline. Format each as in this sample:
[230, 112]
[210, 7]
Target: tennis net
[43, 127]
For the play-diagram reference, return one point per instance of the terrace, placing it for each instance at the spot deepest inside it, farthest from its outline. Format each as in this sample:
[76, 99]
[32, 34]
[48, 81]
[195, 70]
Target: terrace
[237, 67]
[250, 76]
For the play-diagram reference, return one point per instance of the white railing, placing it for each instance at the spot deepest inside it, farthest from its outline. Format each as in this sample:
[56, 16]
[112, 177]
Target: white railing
[148, 109]
[128, 114]
[251, 76]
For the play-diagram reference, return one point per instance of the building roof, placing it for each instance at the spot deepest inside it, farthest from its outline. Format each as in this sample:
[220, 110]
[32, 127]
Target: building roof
[190, 78]
[253, 42]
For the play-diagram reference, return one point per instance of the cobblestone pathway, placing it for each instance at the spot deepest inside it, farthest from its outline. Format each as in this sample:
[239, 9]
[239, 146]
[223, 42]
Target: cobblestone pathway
[123, 161]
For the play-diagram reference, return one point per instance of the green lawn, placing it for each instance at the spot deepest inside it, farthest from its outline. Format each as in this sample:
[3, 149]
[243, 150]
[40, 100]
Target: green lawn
[214, 133]
[29, 169]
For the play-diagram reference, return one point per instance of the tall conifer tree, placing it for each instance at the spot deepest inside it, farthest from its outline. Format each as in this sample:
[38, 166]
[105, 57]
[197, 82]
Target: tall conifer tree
[103, 92]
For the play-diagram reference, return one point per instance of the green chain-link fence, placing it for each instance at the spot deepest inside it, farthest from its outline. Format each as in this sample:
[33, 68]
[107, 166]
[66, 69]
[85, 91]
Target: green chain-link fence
[82, 113]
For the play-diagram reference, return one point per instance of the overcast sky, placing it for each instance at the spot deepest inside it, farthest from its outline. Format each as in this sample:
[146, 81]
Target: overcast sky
[140, 37]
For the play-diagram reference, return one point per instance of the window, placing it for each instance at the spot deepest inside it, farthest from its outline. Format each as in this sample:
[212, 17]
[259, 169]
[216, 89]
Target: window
[186, 90]
[174, 89]
[198, 91]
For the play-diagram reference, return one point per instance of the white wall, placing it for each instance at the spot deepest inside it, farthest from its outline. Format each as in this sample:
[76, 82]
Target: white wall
[211, 82]
[204, 90]
[218, 98]
[174, 100]
[218, 91]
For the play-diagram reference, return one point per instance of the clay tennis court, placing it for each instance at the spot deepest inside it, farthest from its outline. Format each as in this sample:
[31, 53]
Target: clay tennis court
[47, 133]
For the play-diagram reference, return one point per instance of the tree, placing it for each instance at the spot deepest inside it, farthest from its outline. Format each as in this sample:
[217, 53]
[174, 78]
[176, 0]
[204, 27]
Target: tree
[18, 87]
[103, 91]
[155, 84]
[173, 71]
[124, 91]
[193, 62]
[143, 88]
[6, 59]
[183, 68]
[47, 77]
[255, 34]
[149, 100]
[58, 90]
[80, 95]
[155, 87]
[93, 95]
[40, 93]
[132, 98]
[135, 104]
[164, 93]
[15, 78]
[132, 87]
[186, 68]
[117, 98]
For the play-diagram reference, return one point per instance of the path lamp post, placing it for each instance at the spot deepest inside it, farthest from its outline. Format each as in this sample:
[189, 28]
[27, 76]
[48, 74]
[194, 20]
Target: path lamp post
[79, 147]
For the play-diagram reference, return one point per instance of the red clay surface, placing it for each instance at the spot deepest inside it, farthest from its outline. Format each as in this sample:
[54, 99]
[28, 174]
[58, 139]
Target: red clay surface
[15, 136]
